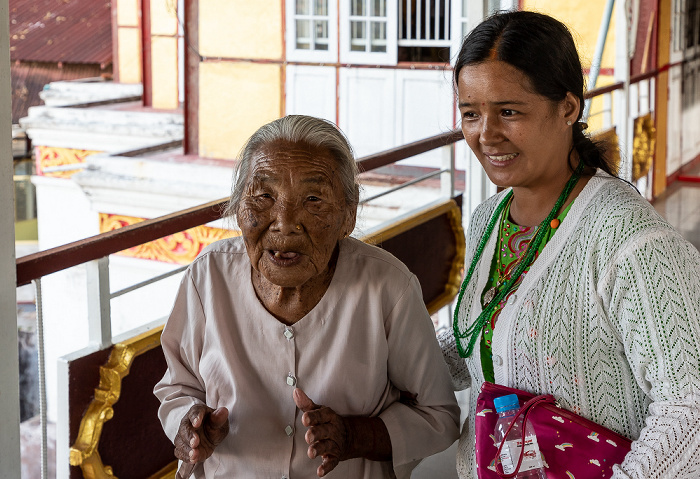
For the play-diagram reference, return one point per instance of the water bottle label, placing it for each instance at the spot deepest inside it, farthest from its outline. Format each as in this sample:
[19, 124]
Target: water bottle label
[511, 452]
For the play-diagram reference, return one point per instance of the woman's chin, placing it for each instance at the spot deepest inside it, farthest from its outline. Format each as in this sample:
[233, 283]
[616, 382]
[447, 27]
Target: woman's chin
[292, 276]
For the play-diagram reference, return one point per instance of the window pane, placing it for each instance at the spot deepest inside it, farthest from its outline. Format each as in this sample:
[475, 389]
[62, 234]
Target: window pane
[303, 7]
[358, 37]
[303, 34]
[378, 37]
[321, 7]
[321, 35]
[357, 7]
[378, 8]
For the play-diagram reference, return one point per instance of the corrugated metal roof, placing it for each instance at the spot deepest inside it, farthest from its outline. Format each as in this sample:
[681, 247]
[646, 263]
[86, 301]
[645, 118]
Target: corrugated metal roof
[28, 79]
[69, 31]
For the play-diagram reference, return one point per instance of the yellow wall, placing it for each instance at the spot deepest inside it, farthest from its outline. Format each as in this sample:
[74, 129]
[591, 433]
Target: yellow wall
[164, 72]
[164, 52]
[235, 99]
[241, 29]
[128, 13]
[663, 57]
[128, 42]
[163, 17]
[583, 18]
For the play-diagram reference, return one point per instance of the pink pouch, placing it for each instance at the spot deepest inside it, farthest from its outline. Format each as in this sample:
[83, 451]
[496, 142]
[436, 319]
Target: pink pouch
[572, 447]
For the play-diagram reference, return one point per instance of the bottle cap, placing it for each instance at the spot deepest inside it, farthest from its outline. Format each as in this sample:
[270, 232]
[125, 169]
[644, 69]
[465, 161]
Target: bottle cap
[505, 403]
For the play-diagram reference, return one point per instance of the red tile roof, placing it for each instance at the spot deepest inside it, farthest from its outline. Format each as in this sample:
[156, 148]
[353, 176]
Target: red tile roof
[29, 78]
[68, 31]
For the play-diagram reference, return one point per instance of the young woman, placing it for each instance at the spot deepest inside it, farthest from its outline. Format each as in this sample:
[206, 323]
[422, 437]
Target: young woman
[577, 287]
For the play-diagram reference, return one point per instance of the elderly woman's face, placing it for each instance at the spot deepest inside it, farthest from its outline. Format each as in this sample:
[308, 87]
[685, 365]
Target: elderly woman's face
[293, 213]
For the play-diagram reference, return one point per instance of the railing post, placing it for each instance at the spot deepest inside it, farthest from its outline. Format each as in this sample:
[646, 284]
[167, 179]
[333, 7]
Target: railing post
[99, 320]
[607, 110]
[447, 179]
[42, 377]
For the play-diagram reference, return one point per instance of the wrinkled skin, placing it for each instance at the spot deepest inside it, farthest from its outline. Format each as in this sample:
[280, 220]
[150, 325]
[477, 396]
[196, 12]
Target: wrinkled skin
[327, 435]
[292, 215]
[337, 438]
[201, 430]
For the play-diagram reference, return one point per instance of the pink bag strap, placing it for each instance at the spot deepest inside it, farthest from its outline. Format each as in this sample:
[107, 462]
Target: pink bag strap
[525, 409]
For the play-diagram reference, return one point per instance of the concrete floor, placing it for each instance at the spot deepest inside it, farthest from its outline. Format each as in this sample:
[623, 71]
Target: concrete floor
[680, 205]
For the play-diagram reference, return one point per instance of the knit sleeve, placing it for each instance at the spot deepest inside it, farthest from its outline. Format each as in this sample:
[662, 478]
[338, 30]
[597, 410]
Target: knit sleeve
[455, 363]
[653, 293]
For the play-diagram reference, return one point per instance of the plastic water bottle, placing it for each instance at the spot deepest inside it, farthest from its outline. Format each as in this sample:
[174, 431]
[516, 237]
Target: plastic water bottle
[531, 466]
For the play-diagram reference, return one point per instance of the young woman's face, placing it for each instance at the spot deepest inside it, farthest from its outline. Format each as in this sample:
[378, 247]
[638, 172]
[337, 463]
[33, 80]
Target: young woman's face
[520, 137]
[293, 213]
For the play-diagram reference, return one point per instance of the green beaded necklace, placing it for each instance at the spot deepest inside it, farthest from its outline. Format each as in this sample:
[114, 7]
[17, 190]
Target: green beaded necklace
[472, 332]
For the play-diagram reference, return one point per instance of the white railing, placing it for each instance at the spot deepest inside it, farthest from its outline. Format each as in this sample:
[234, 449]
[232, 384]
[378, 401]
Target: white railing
[426, 25]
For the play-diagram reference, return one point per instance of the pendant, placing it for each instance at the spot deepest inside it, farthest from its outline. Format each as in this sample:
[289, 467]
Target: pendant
[489, 295]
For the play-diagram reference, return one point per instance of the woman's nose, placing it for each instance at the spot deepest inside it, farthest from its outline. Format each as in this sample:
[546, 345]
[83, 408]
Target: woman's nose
[287, 217]
[490, 131]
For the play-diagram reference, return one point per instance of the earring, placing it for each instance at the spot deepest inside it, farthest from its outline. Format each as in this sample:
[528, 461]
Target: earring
[568, 123]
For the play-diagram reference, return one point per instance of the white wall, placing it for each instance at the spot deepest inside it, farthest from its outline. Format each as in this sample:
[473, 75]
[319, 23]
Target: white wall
[385, 108]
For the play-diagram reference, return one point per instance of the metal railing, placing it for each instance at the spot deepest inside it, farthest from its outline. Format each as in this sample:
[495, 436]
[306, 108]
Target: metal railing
[641, 88]
[426, 25]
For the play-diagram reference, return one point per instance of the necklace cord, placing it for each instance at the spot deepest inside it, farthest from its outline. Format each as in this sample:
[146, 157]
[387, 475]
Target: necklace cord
[472, 331]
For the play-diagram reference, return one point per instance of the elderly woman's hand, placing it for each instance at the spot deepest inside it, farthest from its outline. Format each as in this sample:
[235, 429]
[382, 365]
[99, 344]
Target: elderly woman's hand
[337, 438]
[201, 430]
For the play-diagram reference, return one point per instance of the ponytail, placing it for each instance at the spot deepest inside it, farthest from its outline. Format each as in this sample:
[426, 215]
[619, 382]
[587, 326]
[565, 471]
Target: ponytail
[593, 153]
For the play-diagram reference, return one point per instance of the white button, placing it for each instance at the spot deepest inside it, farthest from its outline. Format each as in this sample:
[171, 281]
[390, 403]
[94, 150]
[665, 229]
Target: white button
[289, 430]
[291, 380]
[513, 299]
[497, 360]
[288, 333]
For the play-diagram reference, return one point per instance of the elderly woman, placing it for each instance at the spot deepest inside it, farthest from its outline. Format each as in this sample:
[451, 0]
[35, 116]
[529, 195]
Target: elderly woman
[575, 286]
[298, 307]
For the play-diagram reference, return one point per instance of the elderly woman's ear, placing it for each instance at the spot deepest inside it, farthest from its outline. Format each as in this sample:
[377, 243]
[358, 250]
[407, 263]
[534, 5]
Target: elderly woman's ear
[350, 218]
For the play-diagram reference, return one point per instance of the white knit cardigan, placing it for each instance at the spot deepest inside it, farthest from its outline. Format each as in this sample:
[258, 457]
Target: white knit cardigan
[606, 320]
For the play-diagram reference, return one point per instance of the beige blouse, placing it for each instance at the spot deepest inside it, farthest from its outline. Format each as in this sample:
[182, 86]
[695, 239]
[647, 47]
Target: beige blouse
[369, 337]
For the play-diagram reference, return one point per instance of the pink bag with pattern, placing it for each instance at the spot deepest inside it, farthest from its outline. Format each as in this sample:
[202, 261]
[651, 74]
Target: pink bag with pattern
[572, 447]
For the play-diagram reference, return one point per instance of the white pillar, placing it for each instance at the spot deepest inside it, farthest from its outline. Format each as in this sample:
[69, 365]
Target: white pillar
[623, 123]
[9, 365]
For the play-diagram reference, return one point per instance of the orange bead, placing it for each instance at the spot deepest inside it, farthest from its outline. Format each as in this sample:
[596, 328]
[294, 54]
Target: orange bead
[554, 223]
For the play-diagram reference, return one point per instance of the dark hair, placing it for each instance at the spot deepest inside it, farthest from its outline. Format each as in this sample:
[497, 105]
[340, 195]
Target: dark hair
[544, 50]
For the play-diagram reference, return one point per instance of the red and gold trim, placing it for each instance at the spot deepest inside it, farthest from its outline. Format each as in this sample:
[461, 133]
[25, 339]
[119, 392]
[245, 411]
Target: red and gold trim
[51, 156]
[179, 248]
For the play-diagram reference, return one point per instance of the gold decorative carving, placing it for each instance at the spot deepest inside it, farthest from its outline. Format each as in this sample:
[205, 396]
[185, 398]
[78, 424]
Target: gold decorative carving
[84, 452]
[51, 156]
[454, 214]
[643, 146]
[180, 248]
[168, 472]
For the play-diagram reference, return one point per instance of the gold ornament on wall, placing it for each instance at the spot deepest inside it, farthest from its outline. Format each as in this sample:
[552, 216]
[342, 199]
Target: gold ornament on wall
[643, 146]
[179, 248]
[51, 156]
